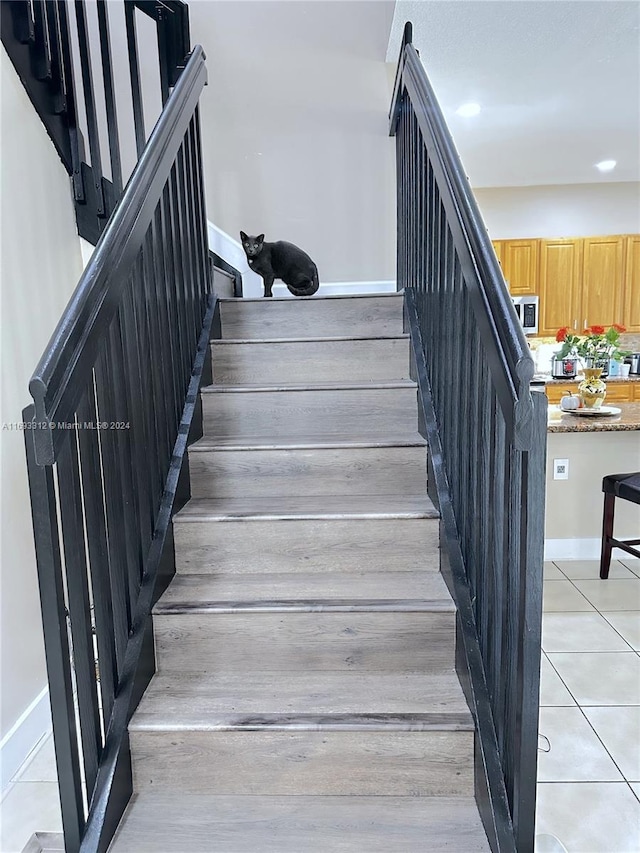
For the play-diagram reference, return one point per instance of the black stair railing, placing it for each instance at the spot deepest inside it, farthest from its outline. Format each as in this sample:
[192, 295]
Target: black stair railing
[63, 52]
[487, 439]
[116, 402]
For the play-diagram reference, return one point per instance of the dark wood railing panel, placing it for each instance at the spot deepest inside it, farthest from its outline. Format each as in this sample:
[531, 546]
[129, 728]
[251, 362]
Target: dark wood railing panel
[487, 438]
[115, 398]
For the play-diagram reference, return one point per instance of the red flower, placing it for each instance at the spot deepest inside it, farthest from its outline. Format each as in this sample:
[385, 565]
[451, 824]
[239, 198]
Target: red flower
[562, 334]
[619, 328]
[597, 330]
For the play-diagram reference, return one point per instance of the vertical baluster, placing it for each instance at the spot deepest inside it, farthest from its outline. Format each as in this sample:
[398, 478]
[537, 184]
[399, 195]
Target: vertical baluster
[78, 594]
[152, 364]
[40, 51]
[120, 506]
[179, 280]
[167, 248]
[56, 640]
[109, 97]
[186, 251]
[137, 401]
[201, 216]
[89, 101]
[495, 609]
[95, 519]
[134, 73]
[53, 38]
[70, 100]
[195, 231]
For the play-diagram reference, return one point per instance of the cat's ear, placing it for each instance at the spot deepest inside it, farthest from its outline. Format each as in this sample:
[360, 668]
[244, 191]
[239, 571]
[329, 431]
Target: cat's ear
[260, 238]
[243, 236]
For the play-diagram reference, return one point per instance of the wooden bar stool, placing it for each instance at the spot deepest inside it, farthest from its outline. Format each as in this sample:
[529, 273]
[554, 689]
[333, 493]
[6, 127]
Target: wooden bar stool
[627, 488]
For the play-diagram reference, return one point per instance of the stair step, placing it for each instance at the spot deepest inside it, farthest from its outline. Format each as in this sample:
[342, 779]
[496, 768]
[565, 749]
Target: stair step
[303, 762]
[221, 593]
[297, 471]
[315, 545]
[303, 700]
[337, 508]
[318, 360]
[285, 639]
[310, 441]
[375, 314]
[364, 409]
[202, 823]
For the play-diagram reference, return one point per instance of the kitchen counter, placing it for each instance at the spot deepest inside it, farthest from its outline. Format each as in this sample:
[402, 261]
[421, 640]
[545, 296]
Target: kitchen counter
[626, 421]
[548, 380]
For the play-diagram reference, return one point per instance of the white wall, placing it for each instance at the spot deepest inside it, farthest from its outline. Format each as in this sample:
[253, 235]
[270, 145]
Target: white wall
[569, 210]
[295, 129]
[40, 265]
[573, 525]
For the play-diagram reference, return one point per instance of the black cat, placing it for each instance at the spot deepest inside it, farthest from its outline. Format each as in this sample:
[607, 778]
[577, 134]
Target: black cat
[281, 260]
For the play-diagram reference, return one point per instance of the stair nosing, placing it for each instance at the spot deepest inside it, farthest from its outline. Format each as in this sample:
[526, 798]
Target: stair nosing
[307, 516]
[308, 340]
[328, 605]
[321, 386]
[365, 721]
[270, 301]
[209, 443]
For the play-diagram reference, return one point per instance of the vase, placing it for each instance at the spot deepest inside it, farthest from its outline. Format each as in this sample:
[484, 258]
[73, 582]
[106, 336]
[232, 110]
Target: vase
[601, 363]
[592, 389]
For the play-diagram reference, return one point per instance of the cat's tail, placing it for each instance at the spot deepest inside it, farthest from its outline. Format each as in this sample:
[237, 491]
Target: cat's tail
[309, 290]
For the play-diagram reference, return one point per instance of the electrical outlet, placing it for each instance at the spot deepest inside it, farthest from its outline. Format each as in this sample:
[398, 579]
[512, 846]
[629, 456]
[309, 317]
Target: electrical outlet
[560, 469]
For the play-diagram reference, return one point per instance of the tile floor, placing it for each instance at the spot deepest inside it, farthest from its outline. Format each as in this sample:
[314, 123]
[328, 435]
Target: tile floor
[589, 748]
[31, 804]
[589, 759]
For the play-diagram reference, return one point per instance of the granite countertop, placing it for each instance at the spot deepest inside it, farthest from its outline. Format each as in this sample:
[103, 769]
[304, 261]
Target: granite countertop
[627, 420]
[548, 380]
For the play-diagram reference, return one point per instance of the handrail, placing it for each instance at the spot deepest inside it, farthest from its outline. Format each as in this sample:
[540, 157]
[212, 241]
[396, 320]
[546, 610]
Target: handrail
[511, 363]
[69, 356]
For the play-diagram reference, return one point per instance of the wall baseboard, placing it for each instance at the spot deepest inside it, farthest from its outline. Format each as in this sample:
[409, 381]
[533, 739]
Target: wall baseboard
[333, 288]
[24, 736]
[572, 549]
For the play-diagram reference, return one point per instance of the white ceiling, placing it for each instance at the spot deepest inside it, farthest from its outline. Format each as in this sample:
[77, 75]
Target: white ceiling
[558, 82]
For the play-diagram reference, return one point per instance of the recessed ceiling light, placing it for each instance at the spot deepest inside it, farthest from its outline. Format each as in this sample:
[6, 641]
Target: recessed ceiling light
[468, 110]
[606, 165]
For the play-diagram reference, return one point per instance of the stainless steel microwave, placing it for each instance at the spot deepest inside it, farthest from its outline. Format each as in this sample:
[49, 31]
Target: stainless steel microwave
[527, 311]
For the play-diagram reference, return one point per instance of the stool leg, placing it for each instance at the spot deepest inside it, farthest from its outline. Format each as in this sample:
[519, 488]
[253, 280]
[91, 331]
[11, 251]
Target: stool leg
[607, 533]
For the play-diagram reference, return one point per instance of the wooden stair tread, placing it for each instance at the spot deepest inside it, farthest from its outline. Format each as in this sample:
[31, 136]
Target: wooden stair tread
[202, 823]
[303, 701]
[418, 590]
[348, 507]
[305, 442]
[320, 386]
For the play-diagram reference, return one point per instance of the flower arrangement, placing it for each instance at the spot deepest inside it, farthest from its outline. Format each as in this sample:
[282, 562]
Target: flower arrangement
[597, 345]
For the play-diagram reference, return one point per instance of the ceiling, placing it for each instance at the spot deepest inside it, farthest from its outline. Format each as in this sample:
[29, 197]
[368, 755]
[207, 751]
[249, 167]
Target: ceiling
[558, 83]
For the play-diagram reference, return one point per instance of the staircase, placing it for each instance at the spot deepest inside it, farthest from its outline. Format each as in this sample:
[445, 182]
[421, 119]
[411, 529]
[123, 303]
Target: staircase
[306, 697]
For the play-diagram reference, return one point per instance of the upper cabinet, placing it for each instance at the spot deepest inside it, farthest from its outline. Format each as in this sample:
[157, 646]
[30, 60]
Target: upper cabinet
[560, 285]
[602, 282]
[519, 260]
[631, 311]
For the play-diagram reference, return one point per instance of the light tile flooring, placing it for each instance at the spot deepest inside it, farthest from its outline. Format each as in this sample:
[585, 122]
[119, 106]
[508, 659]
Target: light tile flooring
[589, 758]
[31, 803]
[589, 747]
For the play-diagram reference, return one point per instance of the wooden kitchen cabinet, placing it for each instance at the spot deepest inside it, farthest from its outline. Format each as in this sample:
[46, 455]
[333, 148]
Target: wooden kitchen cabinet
[617, 392]
[520, 265]
[631, 311]
[602, 281]
[560, 284]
